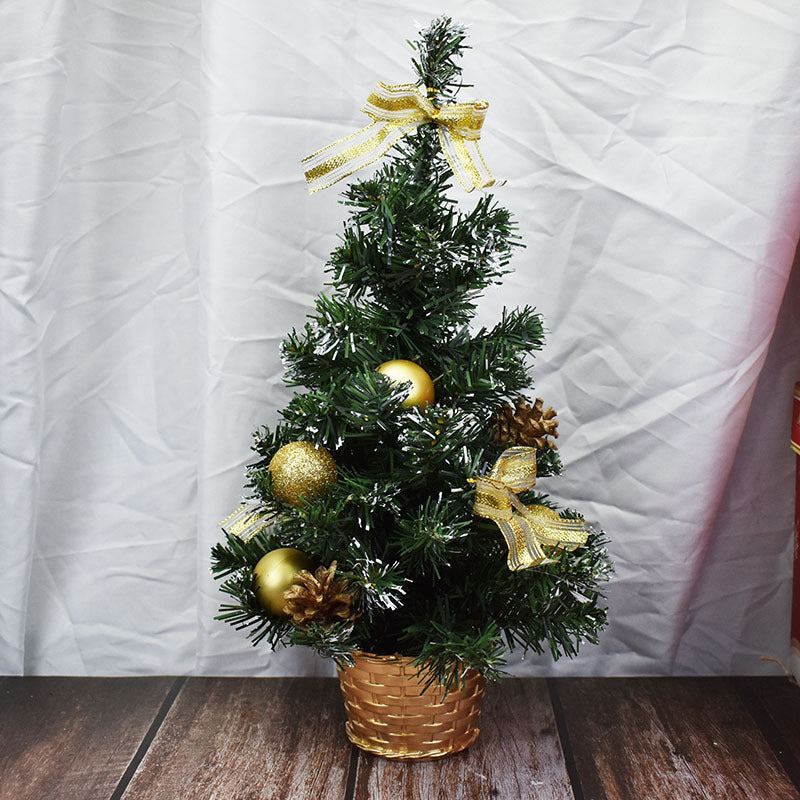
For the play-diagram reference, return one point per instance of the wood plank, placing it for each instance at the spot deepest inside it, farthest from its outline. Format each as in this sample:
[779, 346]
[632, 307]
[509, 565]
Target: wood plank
[775, 705]
[72, 737]
[655, 738]
[270, 738]
[517, 755]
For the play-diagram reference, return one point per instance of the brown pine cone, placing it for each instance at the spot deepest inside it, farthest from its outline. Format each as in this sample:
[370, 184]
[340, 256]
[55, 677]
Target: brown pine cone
[318, 598]
[526, 425]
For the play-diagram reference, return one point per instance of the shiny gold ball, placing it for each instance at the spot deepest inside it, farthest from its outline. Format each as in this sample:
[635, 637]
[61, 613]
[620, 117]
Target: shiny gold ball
[302, 471]
[400, 371]
[275, 573]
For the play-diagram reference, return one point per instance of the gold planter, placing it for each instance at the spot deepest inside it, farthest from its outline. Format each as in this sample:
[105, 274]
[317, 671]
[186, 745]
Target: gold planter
[389, 713]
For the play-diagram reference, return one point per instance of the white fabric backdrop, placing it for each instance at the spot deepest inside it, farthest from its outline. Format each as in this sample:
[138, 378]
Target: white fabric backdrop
[157, 242]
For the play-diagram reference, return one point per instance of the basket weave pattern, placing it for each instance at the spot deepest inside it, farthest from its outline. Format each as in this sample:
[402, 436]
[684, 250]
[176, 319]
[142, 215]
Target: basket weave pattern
[390, 714]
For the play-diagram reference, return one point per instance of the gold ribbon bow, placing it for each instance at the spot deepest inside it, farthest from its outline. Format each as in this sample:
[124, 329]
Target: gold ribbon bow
[247, 521]
[397, 110]
[532, 527]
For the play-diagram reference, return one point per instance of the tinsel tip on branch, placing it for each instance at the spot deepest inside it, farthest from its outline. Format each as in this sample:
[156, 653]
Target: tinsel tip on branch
[439, 47]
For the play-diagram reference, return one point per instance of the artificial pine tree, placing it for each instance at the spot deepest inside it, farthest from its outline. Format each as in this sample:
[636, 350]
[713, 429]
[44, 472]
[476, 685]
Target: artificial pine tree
[417, 572]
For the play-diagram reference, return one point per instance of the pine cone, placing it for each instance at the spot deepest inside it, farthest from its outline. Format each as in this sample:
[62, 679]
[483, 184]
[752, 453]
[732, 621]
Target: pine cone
[318, 598]
[526, 425]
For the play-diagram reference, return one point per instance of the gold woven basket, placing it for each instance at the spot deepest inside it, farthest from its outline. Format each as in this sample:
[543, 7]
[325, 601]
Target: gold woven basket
[389, 713]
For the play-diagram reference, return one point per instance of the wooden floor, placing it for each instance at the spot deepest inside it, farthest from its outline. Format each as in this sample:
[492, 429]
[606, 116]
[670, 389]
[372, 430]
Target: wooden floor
[283, 738]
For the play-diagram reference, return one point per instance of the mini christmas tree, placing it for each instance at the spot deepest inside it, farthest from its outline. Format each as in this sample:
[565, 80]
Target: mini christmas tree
[392, 506]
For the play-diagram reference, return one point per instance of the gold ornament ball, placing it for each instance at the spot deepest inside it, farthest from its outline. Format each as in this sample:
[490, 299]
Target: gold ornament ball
[400, 371]
[275, 573]
[302, 471]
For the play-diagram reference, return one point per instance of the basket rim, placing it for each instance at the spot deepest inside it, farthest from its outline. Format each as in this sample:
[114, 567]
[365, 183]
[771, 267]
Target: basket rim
[382, 659]
[394, 659]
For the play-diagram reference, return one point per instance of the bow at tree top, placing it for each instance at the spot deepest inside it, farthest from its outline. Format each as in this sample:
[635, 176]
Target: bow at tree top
[397, 111]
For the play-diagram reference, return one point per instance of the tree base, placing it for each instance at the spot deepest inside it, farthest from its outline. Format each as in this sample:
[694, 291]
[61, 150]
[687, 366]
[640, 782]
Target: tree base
[390, 714]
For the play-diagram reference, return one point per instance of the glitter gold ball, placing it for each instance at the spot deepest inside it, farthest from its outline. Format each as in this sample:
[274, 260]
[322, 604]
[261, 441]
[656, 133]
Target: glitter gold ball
[401, 371]
[275, 573]
[302, 471]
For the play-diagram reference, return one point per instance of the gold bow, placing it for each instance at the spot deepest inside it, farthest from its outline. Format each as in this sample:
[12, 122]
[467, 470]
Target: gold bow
[246, 522]
[533, 527]
[397, 110]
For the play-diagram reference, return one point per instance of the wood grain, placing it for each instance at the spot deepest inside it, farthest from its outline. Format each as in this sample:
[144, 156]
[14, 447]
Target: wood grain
[236, 738]
[517, 755]
[283, 739]
[656, 738]
[72, 737]
[774, 704]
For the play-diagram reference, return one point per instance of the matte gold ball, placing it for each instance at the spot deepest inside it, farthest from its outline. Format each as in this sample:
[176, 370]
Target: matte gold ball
[302, 471]
[400, 371]
[275, 573]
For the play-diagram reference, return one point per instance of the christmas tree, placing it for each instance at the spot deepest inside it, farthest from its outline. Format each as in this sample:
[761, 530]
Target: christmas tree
[369, 482]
